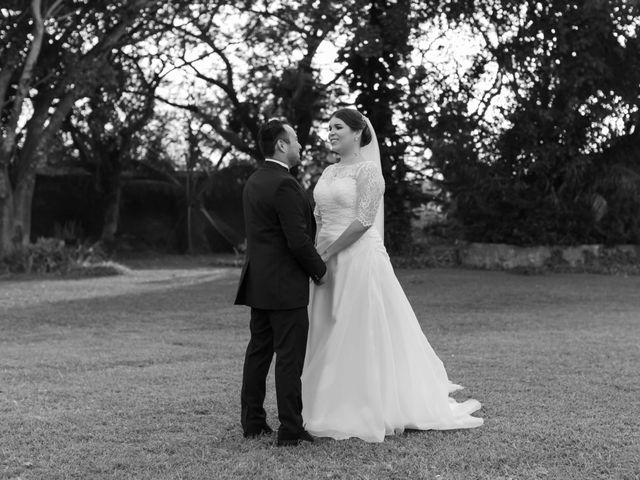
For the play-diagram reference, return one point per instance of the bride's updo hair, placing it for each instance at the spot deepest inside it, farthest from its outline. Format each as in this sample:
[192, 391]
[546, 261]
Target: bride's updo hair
[355, 121]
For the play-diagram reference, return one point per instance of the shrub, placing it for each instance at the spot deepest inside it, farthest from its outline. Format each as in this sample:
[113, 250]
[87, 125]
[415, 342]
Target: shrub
[48, 255]
[100, 269]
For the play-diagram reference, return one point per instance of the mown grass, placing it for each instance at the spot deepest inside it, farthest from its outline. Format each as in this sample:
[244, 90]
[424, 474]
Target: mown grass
[146, 386]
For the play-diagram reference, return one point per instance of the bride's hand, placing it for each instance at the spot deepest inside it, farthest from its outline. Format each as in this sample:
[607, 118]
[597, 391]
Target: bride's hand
[322, 248]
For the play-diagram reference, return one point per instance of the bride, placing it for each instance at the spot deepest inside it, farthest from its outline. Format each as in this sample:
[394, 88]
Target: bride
[369, 370]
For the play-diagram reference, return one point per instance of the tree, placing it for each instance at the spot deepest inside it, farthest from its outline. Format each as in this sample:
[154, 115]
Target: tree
[191, 185]
[46, 69]
[252, 44]
[376, 58]
[19, 59]
[106, 128]
[568, 77]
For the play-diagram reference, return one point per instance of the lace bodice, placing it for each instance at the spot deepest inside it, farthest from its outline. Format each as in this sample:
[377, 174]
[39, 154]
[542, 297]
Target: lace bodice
[346, 193]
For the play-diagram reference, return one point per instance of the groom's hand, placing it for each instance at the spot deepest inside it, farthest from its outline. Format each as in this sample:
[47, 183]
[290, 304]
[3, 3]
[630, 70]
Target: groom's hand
[321, 280]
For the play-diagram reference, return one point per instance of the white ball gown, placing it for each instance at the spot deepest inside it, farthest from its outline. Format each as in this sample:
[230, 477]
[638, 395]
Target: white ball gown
[369, 370]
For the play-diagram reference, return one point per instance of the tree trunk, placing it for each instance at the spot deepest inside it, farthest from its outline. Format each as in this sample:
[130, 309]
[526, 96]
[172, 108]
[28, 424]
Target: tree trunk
[9, 200]
[189, 212]
[111, 215]
[24, 82]
[6, 213]
[37, 140]
[110, 178]
[189, 231]
[22, 200]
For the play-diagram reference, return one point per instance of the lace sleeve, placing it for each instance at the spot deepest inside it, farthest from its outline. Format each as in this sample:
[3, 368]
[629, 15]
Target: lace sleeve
[316, 211]
[318, 218]
[369, 191]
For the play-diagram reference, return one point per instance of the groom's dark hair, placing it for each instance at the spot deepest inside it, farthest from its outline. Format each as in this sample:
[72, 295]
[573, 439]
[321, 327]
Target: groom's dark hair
[270, 132]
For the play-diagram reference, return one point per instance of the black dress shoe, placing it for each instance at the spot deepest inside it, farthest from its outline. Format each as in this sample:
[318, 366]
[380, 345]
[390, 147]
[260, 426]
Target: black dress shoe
[258, 432]
[285, 440]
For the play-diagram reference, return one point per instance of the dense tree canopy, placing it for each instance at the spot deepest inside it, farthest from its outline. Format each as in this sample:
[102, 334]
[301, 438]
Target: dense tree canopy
[53, 54]
[529, 128]
[560, 164]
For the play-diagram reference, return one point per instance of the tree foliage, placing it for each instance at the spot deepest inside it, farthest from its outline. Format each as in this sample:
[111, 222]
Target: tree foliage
[54, 53]
[106, 128]
[376, 57]
[560, 163]
[533, 140]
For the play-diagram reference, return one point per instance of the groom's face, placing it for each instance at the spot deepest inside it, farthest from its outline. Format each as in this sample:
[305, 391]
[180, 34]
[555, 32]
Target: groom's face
[293, 146]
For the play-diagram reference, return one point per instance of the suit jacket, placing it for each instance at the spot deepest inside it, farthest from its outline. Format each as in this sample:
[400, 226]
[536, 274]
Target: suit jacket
[280, 228]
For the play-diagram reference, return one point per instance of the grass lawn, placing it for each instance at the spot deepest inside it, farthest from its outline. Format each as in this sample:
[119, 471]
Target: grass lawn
[144, 384]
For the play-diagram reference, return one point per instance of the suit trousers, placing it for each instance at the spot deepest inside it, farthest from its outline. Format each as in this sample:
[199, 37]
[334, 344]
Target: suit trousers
[283, 332]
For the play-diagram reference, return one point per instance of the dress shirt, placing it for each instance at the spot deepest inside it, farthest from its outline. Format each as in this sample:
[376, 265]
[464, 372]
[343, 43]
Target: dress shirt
[278, 162]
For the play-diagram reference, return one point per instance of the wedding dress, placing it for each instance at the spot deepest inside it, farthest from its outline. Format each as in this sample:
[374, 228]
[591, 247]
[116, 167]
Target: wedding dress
[369, 370]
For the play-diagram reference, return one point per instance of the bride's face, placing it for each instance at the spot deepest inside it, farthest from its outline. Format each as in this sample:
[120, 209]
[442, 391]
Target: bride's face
[342, 138]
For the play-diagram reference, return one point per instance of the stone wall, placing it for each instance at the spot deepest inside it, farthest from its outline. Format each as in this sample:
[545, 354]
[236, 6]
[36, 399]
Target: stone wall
[619, 259]
[509, 257]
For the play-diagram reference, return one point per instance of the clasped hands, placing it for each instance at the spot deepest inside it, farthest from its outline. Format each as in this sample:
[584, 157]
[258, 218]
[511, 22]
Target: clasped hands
[325, 257]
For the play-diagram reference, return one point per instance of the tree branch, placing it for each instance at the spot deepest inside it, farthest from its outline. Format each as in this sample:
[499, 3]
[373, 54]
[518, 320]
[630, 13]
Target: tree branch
[8, 142]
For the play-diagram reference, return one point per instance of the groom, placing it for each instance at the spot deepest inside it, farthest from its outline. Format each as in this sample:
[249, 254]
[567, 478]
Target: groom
[280, 259]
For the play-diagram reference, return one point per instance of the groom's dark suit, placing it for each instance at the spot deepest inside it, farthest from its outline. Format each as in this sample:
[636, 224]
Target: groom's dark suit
[280, 259]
